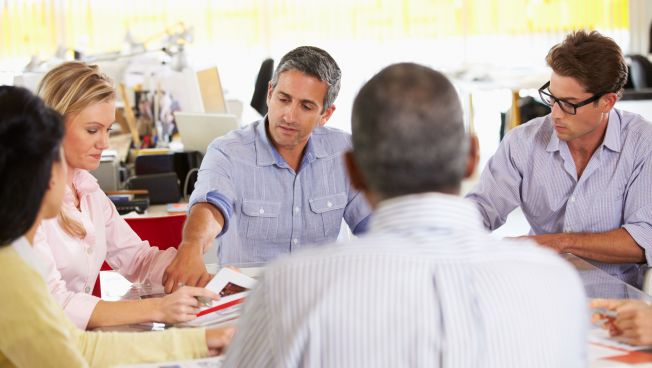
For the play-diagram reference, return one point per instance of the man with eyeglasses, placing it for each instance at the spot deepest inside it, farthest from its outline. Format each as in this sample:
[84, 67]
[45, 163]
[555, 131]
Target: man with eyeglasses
[582, 174]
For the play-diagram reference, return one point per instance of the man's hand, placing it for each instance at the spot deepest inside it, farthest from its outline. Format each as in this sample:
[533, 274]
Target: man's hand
[633, 322]
[202, 226]
[217, 339]
[187, 268]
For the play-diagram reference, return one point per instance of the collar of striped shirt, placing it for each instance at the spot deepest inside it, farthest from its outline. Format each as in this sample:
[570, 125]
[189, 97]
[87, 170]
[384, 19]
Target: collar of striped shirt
[611, 137]
[426, 211]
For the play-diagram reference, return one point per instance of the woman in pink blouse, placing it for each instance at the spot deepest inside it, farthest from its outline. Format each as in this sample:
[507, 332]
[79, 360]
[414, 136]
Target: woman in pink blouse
[88, 230]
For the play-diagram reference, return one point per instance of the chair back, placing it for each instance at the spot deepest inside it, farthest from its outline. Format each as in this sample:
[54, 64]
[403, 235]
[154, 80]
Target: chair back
[163, 188]
[161, 231]
[641, 71]
[259, 99]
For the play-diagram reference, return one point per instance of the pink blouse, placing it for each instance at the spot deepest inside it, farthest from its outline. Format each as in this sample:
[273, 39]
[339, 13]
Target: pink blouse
[73, 264]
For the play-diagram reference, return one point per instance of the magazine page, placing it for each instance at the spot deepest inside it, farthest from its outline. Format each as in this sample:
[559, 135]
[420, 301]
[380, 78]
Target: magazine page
[232, 287]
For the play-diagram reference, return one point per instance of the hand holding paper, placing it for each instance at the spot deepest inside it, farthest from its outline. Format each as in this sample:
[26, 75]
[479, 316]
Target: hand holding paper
[232, 288]
[182, 305]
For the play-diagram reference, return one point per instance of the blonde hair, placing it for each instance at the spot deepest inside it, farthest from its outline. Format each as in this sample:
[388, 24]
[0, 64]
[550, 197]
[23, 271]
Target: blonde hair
[69, 88]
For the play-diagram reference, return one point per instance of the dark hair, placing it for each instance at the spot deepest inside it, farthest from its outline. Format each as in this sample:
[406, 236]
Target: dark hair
[30, 137]
[316, 63]
[408, 132]
[596, 61]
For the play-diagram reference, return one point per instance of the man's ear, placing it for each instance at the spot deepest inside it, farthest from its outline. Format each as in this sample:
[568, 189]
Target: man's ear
[354, 173]
[326, 115]
[270, 89]
[474, 156]
[608, 101]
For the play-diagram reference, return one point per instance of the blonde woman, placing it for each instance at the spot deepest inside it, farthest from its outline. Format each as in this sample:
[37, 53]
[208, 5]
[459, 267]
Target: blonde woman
[88, 230]
[34, 331]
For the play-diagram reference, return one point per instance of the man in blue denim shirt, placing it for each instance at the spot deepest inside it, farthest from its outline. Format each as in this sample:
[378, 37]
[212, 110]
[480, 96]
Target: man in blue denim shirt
[278, 184]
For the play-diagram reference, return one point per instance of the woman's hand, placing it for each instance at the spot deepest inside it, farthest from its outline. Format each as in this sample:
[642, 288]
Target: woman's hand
[217, 339]
[182, 305]
[632, 323]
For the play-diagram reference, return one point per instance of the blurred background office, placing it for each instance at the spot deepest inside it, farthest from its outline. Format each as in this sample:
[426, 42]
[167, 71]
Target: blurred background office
[494, 50]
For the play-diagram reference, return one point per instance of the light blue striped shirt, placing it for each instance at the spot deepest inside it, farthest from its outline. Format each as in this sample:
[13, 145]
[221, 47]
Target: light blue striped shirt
[533, 169]
[426, 287]
[269, 209]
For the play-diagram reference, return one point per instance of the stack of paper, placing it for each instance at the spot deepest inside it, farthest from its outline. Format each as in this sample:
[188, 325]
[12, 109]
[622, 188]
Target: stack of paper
[232, 287]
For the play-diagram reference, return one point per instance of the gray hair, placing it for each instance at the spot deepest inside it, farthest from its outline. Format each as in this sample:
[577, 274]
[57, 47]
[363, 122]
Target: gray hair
[408, 132]
[316, 63]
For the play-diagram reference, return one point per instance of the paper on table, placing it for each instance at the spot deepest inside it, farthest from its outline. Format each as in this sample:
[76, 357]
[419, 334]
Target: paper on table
[599, 352]
[601, 337]
[232, 287]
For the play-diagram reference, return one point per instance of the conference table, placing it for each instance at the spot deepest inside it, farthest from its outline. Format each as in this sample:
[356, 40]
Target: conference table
[602, 352]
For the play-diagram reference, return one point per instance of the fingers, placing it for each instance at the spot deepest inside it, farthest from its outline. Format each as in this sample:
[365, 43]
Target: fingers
[200, 291]
[193, 291]
[629, 326]
[164, 279]
[179, 308]
[204, 279]
[218, 338]
[631, 306]
[611, 304]
[178, 280]
[187, 268]
[170, 283]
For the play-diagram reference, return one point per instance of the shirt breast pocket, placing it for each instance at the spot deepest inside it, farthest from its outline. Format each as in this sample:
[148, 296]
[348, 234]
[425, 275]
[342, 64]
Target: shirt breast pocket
[261, 219]
[607, 210]
[331, 210]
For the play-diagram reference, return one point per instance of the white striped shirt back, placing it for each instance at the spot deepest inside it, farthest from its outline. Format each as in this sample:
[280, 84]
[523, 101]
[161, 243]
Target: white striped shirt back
[427, 287]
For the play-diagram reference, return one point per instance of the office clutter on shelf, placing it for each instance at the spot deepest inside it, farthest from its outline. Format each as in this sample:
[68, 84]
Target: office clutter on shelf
[126, 201]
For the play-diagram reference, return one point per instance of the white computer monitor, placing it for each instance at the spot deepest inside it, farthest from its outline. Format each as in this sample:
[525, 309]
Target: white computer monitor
[198, 130]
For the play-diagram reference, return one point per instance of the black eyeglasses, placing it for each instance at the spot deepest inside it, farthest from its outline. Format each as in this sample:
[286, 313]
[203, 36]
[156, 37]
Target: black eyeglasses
[567, 107]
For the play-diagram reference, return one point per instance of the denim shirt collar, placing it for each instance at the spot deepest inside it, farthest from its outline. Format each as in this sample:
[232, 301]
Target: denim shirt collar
[267, 154]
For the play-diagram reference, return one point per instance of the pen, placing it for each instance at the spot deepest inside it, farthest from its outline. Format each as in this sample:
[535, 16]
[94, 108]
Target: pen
[605, 312]
[203, 301]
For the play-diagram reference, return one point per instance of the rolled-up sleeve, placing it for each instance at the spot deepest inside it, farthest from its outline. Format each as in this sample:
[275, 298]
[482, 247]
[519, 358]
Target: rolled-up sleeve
[497, 191]
[357, 212]
[637, 213]
[215, 185]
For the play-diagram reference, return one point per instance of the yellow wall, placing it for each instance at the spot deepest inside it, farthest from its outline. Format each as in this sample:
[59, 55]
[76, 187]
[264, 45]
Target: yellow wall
[37, 27]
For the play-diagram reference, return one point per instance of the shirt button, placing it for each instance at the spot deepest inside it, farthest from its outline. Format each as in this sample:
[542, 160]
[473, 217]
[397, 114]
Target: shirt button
[572, 199]
[296, 209]
[88, 289]
[329, 204]
[89, 250]
[295, 240]
[261, 211]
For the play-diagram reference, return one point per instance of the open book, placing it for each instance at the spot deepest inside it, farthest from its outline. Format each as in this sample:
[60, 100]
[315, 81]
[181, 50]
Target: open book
[232, 286]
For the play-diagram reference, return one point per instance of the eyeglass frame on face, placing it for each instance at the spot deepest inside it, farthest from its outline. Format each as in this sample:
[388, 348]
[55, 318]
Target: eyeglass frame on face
[563, 104]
